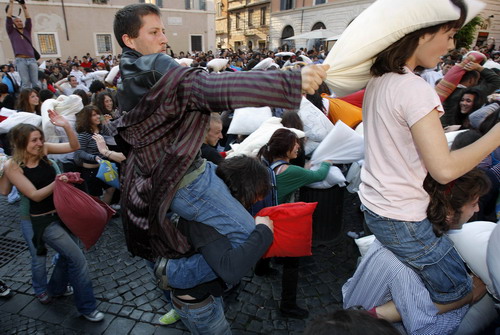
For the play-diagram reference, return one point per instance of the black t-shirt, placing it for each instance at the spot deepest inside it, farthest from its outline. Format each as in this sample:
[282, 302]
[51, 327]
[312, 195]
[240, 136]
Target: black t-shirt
[210, 154]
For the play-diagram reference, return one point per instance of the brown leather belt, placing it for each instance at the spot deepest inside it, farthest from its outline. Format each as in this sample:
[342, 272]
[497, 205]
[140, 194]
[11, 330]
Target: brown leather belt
[181, 304]
[23, 56]
[90, 166]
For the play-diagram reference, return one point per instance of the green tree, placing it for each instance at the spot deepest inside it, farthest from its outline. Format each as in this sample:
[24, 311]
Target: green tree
[467, 34]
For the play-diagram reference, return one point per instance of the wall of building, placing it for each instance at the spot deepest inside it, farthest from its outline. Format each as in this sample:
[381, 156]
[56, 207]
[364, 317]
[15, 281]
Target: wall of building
[87, 22]
[242, 34]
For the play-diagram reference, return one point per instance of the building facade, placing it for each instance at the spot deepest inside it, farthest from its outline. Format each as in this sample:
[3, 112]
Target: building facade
[81, 26]
[248, 24]
[293, 17]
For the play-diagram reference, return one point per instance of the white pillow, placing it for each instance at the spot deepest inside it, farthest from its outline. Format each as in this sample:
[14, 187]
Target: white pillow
[185, 61]
[284, 54]
[310, 146]
[334, 177]
[450, 136]
[360, 129]
[341, 145]
[376, 28]
[101, 74]
[263, 64]
[316, 124]
[217, 64]
[364, 244]
[112, 74]
[6, 112]
[18, 118]
[252, 144]
[247, 120]
[471, 243]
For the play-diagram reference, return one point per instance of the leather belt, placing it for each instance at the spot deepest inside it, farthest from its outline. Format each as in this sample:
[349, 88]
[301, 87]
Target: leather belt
[23, 56]
[90, 166]
[181, 304]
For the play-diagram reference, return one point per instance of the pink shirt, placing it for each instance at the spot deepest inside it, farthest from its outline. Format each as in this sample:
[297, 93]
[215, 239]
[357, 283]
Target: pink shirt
[393, 172]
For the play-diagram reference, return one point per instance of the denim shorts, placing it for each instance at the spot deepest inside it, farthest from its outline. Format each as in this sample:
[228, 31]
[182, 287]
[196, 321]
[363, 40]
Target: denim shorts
[433, 258]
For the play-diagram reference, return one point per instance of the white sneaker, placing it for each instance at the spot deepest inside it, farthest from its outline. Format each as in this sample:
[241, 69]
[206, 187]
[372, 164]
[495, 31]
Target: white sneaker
[95, 316]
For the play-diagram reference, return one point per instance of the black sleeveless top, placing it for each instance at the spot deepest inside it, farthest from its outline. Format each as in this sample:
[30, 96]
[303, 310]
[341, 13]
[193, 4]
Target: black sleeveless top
[40, 176]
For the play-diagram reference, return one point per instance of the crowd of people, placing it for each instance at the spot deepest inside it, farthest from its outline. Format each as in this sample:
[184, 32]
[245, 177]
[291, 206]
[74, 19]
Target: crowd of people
[189, 212]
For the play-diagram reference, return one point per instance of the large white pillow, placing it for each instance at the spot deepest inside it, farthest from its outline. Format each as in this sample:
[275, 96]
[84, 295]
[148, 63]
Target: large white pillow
[379, 26]
[471, 243]
[263, 64]
[18, 118]
[185, 61]
[252, 144]
[248, 119]
[316, 124]
[217, 64]
[112, 74]
[341, 145]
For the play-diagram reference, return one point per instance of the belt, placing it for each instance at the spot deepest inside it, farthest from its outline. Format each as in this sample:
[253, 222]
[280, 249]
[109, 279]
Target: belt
[23, 56]
[90, 166]
[181, 304]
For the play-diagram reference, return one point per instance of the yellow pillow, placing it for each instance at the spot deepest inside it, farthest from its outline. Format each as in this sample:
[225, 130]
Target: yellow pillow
[340, 110]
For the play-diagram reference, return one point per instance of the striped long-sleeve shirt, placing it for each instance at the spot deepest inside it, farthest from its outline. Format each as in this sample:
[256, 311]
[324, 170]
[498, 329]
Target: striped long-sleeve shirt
[381, 277]
[165, 132]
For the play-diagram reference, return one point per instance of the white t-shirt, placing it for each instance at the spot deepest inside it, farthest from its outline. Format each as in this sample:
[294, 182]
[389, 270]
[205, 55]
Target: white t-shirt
[393, 171]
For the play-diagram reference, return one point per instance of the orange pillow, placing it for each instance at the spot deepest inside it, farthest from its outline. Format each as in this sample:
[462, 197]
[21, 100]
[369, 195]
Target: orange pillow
[292, 229]
[341, 110]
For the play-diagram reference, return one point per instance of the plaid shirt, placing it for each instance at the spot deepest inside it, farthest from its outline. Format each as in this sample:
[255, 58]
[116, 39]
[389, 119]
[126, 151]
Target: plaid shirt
[166, 130]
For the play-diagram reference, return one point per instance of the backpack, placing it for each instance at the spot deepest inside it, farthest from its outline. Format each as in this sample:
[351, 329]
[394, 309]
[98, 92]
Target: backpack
[271, 198]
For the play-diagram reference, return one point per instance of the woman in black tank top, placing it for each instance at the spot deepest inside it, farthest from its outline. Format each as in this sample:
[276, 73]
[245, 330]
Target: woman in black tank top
[31, 172]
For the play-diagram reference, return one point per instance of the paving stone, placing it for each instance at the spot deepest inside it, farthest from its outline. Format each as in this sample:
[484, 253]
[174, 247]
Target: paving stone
[142, 328]
[16, 303]
[120, 326]
[136, 314]
[114, 308]
[126, 311]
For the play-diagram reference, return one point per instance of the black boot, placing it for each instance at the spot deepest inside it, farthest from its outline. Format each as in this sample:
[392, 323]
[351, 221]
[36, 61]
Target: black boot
[289, 281]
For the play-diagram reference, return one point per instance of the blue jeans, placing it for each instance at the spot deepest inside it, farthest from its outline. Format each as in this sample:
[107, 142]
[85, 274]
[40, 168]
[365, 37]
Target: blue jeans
[38, 263]
[28, 71]
[433, 258]
[207, 320]
[71, 267]
[207, 200]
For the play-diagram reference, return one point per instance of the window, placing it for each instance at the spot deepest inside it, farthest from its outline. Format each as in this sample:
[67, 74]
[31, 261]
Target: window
[238, 22]
[219, 9]
[196, 4]
[196, 43]
[159, 3]
[48, 44]
[104, 43]
[263, 16]
[286, 4]
[319, 2]
[250, 19]
[100, 2]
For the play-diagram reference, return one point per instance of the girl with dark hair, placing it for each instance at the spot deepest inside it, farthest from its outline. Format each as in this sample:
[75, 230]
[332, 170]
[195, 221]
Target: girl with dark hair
[88, 123]
[453, 204]
[31, 172]
[29, 101]
[281, 148]
[106, 105]
[470, 101]
[404, 141]
[82, 94]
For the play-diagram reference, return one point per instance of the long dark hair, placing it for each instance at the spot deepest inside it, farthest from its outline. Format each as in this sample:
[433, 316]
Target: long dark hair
[479, 100]
[394, 57]
[280, 143]
[99, 102]
[84, 119]
[246, 178]
[446, 201]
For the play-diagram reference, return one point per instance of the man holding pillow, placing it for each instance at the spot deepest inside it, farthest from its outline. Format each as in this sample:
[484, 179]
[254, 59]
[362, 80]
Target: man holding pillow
[165, 112]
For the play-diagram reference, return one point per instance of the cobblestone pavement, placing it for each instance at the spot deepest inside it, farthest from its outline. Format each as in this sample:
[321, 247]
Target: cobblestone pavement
[132, 304]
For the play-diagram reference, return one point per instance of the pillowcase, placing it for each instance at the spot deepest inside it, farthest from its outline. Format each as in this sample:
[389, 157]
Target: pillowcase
[185, 61]
[376, 28]
[341, 110]
[217, 64]
[84, 215]
[292, 229]
[342, 146]
[108, 173]
[263, 64]
[334, 177]
[112, 74]
[18, 118]
[471, 243]
[316, 124]
[248, 119]
[6, 112]
[252, 144]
